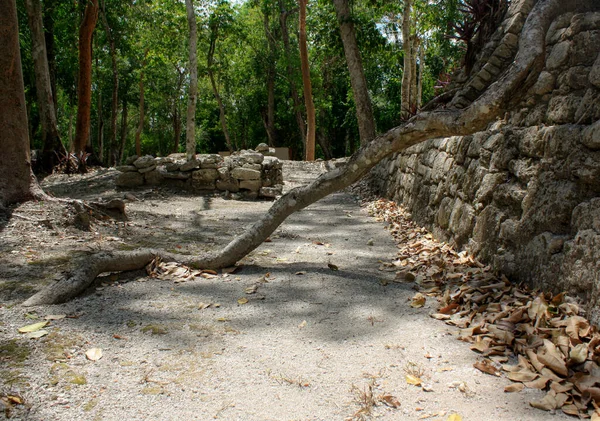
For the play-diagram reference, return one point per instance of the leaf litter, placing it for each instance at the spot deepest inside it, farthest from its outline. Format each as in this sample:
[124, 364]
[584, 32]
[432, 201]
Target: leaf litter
[556, 347]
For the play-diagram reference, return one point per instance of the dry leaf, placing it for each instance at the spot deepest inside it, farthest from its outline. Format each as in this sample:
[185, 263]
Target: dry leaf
[93, 354]
[487, 367]
[202, 306]
[33, 327]
[414, 380]
[36, 334]
[514, 387]
[454, 417]
[390, 401]
[522, 376]
[300, 273]
[251, 289]
[303, 324]
[242, 300]
[418, 300]
[578, 354]
[548, 403]
[332, 266]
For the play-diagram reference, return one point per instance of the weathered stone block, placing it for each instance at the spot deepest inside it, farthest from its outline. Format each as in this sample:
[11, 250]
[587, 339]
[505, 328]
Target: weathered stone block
[591, 136]
[126, 168]
[594, 75]
[144, 161]
[147, 169]
[177, 175]
[255, 167]
[154, 177]
[488, 185]
[231, 185]
[559, 55]
[544, 84]
[192, 164]
[208, 175]
[562, 109]
[252, 185]
[271, 192]
[129, 179]
[245, 174]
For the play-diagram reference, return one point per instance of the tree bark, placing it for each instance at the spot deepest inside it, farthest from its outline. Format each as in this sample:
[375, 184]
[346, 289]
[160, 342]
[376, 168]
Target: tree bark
[84, 84]
[309, 154]
[269, 120]
[407, 76]
[190, 144]
[53, 150]
[114, 105]
[420, 80]
[425, 125]
[364, 111]
[209, 69]
[140, 128]
[290, 72]
[48, 20]
[19, 183]
[123, 140]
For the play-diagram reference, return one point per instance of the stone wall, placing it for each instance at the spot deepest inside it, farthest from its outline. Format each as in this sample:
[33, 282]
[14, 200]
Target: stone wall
[524, 195]
[247, 174]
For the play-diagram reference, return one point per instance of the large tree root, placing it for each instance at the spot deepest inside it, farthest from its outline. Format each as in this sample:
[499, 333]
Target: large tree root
[490, 105]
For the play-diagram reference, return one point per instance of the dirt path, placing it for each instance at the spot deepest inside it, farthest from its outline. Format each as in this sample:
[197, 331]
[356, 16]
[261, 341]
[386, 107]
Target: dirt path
[308, 344]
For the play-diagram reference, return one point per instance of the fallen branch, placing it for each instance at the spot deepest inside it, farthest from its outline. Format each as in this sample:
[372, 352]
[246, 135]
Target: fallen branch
[426, 125]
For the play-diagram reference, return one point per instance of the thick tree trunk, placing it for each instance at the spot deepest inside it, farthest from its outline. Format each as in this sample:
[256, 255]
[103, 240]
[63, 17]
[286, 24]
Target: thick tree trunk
[114, 105]
[426, 125]
[19, 183]
[140, 128]
[190, 144]
[290, 72]
[269, 120]
[84, 85]
[53, 149]
[309, 154]
[407, 76]
[364, 111]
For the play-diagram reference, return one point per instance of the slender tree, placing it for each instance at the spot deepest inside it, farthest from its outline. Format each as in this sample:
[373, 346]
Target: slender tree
[140, 128]
[364, 111]
[114, 105]
[53, 149]
[190, 144]
[309, 153]
[84, 84]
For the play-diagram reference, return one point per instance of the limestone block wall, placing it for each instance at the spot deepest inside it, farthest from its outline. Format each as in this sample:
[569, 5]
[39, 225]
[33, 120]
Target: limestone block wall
[524, 195]
[248, 174]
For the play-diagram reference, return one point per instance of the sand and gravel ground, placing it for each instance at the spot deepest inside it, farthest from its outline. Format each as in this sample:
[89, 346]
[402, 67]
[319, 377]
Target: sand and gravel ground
[309, 343]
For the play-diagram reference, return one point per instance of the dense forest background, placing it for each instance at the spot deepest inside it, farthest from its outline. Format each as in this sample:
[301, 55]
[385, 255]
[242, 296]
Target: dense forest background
[250, 50]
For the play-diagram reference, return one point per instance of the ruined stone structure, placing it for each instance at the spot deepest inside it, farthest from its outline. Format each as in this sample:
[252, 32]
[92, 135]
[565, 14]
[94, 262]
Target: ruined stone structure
[248, 174]
[524, 195]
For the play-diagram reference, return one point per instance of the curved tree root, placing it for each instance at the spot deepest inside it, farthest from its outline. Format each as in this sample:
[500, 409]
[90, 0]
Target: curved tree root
[426, 125]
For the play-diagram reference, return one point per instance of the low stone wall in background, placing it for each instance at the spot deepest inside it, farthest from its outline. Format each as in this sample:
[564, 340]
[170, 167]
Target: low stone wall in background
[246, 174]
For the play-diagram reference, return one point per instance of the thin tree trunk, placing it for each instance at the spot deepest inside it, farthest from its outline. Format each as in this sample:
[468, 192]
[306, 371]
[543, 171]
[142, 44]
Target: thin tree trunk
[413, 72]
[123, 140]
[100, 134]
[140, 128]
[308, 99]
[290, 72]
[176, 128]
[19, 183]
[407, 76]
[53, 149]
[270, 117]
[421, 70]
[114, 106]
[190, 144]
[84, 85]
[364, 111]
[48, 18]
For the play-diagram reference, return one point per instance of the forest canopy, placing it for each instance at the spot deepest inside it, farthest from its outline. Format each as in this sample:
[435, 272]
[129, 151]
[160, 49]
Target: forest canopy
[249, 78]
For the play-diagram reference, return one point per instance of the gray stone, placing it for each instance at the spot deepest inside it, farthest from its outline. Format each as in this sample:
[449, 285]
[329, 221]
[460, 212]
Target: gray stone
[129, 179]
[488, 186]
[252, 185]
[147, 169]
[231, 185]
[154, 177]
[585, 48]
[544, 84]
[253, 157]
[591, 136]
[204, 179]
[177, 175]
[562, 109]
[271, 192]
[173, 166]
[245, 174]
[262, 147]
[126, 168]
[255, 167]
[209, 161]
[192, 164]
[272, 162]
[558, 56]
[144, 161]
[594, 75]
[131, 159]
[577, 77]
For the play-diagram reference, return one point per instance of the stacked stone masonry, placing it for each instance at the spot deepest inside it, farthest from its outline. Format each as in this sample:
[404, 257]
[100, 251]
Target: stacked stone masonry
[524, 195]
[248, 174]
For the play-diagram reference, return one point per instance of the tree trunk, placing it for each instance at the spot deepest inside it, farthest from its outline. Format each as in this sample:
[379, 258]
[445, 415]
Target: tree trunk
[290, 72]
[48, 19]
[413, 82]
[100, 119]
[309, 154]
[18, 182]
[53, 149]
[364, 111]
[114, 105]
[140, 128]
[176, 127]
[84, 84]
[269, 120]
[420, 81]
[407, 76]
[425, 125]
[190, 136]
[123, 140]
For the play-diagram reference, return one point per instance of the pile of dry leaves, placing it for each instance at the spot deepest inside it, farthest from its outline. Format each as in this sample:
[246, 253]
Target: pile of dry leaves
[554, 347]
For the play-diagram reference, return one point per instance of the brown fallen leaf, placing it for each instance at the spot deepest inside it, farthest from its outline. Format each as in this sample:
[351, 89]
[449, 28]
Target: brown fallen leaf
[414, 380]
[242, 300]
[487, 367]
[514, 387]
[548, 402]
[332, 266]
[251, 289]
[93, 354]
[418, 300]
[390, 401]
[449, 308]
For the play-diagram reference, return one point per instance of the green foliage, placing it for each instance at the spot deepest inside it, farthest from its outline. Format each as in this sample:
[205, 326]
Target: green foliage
[152, 37]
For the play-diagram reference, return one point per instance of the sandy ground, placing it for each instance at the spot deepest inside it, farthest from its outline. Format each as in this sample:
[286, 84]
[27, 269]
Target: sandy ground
[310, 343]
